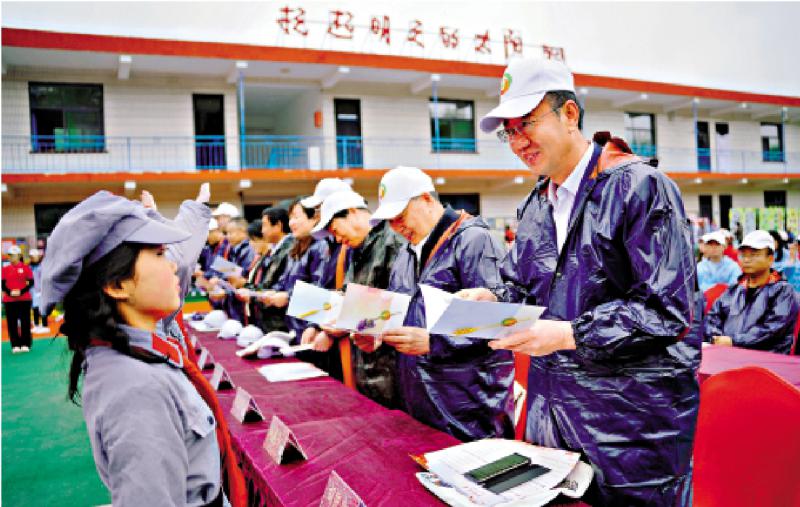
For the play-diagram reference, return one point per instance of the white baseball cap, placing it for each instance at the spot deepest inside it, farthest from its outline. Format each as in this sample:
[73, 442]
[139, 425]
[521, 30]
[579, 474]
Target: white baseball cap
[717, 236]
[525, 83]
[226, 208]
[758, 240]
[248, 335]
[324, 188]
[230, 329]
[13, 250]
[35, 251]
[215, 319]
[397, 187]
[333, 204]
[213, 224]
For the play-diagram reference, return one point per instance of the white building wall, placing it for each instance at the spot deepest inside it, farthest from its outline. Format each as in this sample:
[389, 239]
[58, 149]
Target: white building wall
[148, 123]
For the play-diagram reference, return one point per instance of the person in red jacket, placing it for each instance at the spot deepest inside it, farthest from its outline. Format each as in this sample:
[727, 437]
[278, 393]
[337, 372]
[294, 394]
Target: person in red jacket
[17, 283]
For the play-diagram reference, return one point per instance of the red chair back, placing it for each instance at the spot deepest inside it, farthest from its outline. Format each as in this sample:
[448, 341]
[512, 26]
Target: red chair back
[747, 446]
[713, 293]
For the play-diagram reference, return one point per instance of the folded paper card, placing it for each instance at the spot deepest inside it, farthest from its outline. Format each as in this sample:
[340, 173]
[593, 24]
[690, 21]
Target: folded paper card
[367, 310]
[362, 309]
[449, 315]
[314, 304]
[226, 267]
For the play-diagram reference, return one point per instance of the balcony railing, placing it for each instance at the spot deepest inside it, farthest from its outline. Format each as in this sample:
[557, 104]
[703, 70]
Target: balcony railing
[99, 154]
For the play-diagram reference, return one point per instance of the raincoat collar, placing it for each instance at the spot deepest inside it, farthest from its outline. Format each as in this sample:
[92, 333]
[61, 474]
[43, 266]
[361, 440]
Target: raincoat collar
[448, 218]
[774, 277]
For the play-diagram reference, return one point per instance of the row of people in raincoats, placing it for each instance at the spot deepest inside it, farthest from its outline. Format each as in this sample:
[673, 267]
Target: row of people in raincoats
[458, 385]
[603, 243]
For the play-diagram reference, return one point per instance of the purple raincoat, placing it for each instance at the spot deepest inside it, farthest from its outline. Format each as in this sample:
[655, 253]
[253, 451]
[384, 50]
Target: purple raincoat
[627, 398]
[764, 321]
[242, 255]
[461, 386]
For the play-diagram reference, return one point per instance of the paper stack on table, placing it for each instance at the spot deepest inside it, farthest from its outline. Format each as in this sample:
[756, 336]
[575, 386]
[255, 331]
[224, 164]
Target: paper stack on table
[283, 372]
[362, 309]
[567, 474]
[449, 315]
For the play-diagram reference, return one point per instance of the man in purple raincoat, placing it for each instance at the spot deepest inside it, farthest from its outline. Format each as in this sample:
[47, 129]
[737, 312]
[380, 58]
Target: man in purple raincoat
[604, 244]
[455, 384]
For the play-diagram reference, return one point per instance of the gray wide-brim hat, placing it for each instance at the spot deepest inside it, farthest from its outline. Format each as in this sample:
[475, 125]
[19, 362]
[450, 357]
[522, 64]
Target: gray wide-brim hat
[92, 229]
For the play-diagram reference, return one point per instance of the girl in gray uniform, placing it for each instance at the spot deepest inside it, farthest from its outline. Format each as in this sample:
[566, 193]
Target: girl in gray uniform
[157, 432]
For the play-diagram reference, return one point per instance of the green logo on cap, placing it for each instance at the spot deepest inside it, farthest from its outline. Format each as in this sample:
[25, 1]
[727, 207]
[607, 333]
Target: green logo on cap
[505, 83]
[381, 191]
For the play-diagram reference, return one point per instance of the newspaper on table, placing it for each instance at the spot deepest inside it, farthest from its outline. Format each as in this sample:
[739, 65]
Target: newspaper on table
[362, 309]
[567, 475]
[226, 267]
[449, 315]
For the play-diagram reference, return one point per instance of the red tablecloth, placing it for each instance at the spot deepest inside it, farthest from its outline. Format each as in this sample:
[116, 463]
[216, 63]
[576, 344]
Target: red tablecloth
[339, 429]
[717, 359]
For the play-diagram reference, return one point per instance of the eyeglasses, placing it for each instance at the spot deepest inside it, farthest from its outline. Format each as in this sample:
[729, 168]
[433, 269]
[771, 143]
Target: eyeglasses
[505, 135]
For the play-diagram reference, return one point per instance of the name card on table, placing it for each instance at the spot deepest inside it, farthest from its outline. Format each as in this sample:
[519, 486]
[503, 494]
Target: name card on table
[339, 494]
[205, 361]
[281, 444]
[244, 408]
[220, 380]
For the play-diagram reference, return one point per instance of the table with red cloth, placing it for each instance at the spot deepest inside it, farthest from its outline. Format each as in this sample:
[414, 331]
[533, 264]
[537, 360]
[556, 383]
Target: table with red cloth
[719, 358]
[338, 428]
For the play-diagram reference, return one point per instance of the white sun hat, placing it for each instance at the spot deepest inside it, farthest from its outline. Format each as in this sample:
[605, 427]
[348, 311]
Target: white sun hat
[524, 84]
[230, 329]
[215, 319]
[758, 240]
[324, 188]
[226, 208]
[248, 335]
[397, 187]
[333, 204]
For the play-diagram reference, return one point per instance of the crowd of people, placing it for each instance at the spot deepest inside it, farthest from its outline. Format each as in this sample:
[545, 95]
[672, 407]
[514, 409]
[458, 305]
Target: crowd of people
[603, 243]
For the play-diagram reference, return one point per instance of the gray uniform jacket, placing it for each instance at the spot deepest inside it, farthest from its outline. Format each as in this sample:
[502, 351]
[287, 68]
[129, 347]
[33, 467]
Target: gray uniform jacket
[153, 436]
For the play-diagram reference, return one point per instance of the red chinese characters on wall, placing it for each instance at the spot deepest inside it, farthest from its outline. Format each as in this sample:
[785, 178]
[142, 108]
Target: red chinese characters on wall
[512, 43]
[340, 24]
[554, 53]
[381, 29]
[294, 20]
[449, 37]
[415, 33]
[482, 42]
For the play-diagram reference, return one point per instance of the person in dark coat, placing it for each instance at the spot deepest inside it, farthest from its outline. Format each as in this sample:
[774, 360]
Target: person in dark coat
[241, 254]
[216, 246]
[759, 312]
[268, 270]
[309, 261]
[605, 245]
[345, 217]
[455, 384]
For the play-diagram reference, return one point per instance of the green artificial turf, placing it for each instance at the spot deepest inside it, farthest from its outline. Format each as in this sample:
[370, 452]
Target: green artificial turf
[47, 458]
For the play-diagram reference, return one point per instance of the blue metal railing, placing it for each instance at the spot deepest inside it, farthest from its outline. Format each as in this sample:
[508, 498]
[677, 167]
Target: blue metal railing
[96, 154]
[445, 145]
